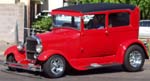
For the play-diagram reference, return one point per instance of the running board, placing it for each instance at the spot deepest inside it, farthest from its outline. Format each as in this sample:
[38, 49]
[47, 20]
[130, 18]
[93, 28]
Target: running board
[30, 67]
[96, 65]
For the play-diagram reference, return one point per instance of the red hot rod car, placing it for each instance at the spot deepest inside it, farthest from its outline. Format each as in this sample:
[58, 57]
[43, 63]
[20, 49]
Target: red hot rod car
[84, 36]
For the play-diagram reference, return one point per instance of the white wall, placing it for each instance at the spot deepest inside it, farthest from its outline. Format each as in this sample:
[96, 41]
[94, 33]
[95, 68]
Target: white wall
[26, 2]
[7, 1]
[53, 4]
[10, 14]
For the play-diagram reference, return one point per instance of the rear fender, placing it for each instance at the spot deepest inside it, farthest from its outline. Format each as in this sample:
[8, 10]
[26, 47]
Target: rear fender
[19, 56]
[124, 46]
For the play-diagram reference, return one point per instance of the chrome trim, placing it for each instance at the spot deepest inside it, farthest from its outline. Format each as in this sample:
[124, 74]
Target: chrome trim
[57, 66]
[37, 39]
[135, 59]
[20, 46]
[38, 43]
[97, 65]
[30, 67]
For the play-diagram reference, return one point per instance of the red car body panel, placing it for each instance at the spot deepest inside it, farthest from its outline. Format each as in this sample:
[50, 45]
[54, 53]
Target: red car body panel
[19, 56]
[81, 48]
[124, 46]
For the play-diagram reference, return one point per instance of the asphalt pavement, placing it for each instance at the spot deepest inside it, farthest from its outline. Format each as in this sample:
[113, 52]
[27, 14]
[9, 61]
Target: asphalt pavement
[115, 73]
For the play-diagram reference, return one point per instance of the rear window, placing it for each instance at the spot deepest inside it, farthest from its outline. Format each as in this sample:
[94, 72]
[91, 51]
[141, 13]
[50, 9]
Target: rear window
[119, 19]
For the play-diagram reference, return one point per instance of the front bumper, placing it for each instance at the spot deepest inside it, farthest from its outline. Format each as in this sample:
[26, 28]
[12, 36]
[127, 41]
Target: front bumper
[29, 66]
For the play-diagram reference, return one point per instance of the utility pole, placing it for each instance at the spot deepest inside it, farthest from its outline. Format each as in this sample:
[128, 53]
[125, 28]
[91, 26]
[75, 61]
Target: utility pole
[27, 18]
[28, 13]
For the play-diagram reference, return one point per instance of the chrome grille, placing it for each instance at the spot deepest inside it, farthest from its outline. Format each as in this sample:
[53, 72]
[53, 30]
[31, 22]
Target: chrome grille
[31, 47]
[30, 55]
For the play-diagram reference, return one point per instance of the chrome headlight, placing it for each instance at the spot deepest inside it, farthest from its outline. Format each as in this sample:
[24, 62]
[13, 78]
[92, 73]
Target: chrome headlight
[20, 46]
[39, 48]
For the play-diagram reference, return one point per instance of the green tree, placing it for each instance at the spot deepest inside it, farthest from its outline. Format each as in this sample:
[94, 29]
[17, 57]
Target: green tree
[144, 5]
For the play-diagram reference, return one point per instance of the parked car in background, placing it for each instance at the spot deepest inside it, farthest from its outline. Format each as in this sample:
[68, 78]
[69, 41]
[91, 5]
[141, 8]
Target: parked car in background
[144, 30]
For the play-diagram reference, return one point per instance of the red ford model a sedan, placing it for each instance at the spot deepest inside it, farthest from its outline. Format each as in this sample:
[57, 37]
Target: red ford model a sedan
[84, 36]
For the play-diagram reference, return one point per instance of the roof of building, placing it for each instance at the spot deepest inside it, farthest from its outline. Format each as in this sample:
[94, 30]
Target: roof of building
[84, 8]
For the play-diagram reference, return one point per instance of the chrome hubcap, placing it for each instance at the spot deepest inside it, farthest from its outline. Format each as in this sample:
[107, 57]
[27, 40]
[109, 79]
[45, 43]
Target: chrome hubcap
[135, 59]
[57, 66]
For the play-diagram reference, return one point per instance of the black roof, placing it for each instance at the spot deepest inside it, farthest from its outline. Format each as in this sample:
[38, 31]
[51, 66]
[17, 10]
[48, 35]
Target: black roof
[97, 7]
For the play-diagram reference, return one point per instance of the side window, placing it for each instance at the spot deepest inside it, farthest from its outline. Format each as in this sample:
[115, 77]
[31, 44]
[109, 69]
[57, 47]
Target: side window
[119, 19]
[94, 21]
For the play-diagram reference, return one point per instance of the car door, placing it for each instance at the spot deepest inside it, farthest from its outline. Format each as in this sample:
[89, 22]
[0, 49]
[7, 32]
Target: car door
[120, 29]
[94, 42]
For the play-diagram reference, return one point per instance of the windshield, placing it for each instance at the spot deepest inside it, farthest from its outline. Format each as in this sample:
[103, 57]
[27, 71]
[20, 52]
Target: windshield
[66, 21]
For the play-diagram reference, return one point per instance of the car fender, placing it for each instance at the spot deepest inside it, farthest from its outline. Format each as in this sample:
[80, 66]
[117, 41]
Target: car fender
[14, 51]
[124, 46]
[46, 54]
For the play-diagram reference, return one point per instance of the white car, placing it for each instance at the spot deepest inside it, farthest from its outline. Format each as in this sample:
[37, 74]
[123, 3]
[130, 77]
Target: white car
[144, 30]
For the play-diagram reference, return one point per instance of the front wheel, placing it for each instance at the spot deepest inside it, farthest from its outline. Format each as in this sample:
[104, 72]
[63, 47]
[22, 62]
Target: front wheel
[54, 67]
[134, 58]
[11, 59]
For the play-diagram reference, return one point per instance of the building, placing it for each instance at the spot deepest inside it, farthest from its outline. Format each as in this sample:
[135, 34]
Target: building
[34, 7]
[21, 13]
[48, 5]
[8, 1]
[12, 15]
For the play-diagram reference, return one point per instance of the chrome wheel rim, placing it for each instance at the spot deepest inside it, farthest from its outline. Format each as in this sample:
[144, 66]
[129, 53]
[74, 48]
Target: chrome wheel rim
[135, 59]
[57, 66]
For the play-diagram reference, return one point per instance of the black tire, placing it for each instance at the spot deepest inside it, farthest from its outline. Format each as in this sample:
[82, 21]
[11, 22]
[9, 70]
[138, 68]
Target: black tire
[50, 67]
[131, 63]
[11, 59]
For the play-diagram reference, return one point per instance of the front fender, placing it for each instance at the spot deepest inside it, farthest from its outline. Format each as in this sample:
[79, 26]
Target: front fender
[14, 51]
[124, 46]
[46, 54]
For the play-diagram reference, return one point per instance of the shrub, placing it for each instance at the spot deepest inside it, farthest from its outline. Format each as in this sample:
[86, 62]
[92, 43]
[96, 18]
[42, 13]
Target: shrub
[42, 24]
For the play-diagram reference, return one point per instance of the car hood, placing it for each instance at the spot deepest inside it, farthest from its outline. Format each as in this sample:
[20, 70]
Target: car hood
[57, 35]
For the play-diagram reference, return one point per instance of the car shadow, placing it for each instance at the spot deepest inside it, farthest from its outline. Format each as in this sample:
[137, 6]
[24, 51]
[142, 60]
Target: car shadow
[102, 70]
[73, 72]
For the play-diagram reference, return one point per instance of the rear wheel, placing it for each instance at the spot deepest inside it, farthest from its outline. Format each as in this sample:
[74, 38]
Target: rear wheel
[134, 58]
[54, 67]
